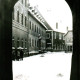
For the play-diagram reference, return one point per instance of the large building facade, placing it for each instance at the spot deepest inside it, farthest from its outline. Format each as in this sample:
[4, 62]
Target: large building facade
[28, 28]
[37, 31]
[19, 26]
[54, 41]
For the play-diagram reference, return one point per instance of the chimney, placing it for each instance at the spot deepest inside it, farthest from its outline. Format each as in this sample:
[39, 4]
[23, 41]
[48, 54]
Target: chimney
[56, 25]
[67, 29]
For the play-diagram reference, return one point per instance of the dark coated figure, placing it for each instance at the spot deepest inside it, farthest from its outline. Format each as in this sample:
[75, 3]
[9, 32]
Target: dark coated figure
[21, 54]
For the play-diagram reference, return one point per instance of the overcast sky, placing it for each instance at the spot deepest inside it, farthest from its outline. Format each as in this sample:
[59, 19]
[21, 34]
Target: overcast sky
[55, 11]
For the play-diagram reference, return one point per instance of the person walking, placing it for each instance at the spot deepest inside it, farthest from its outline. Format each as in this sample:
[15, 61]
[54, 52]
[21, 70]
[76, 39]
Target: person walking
[16, 54]
[13, 55]
[21, 54]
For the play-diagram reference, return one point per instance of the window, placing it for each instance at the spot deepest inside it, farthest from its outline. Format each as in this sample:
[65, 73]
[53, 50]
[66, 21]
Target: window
[42, 33]
[13, 44]
[59, 35]
[35, 28]
[18, 42]
[39, 30]
[22, 19]
[30, 42]
[22, 42]
[30, 25]
[35, 43]
[62, 36]
[25, 21]
[55, 35]
[48, 35]
[17, 16]
[25, 43]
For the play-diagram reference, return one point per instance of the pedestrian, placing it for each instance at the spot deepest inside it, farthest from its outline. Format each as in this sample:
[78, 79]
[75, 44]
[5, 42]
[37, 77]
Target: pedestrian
[16, 51]
[13, 55]
[18, 55]
[21, 54]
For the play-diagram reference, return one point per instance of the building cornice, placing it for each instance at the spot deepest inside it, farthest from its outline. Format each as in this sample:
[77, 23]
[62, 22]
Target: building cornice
[32, 14]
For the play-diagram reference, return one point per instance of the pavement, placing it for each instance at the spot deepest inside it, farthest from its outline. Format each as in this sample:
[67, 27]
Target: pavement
[47, 66]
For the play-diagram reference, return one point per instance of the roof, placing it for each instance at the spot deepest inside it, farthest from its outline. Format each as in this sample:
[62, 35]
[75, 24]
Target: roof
[68, 32]
[56, 31]
[37, 19]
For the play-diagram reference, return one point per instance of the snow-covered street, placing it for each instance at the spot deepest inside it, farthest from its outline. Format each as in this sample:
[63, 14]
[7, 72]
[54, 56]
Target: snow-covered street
[48, 66]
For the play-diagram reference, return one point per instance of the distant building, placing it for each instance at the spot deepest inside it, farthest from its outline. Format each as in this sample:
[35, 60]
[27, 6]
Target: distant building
[54, 40]
[68, 40]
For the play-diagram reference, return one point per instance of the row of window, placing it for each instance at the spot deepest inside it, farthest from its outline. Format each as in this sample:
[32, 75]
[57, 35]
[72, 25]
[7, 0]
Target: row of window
[35, 28]
[35, 43]
[55, 35]
[59, 46]
[22, 42]
[23, 18]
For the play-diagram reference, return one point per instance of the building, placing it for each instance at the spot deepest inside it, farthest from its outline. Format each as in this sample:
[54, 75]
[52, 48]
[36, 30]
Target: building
[54, 40]
[28, 28]
[37, 31]
[19, 26]
[68, 41]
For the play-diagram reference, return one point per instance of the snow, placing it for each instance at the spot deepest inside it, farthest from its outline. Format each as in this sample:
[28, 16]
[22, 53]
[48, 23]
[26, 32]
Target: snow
[48, 66]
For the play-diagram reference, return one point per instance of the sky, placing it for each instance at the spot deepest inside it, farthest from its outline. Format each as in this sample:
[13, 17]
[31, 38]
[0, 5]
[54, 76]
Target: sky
[55, 11]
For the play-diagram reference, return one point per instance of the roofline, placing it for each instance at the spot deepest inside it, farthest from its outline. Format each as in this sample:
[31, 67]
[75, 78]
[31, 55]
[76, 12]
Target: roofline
[49, 30]
[67, 32]
[55, 31]
[37, 19]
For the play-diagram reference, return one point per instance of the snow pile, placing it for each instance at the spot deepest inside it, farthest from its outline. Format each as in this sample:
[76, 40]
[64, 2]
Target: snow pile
[53, 66]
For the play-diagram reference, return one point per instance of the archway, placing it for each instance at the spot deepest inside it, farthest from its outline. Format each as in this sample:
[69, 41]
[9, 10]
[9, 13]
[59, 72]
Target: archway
[5, 48]
[75, 71]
